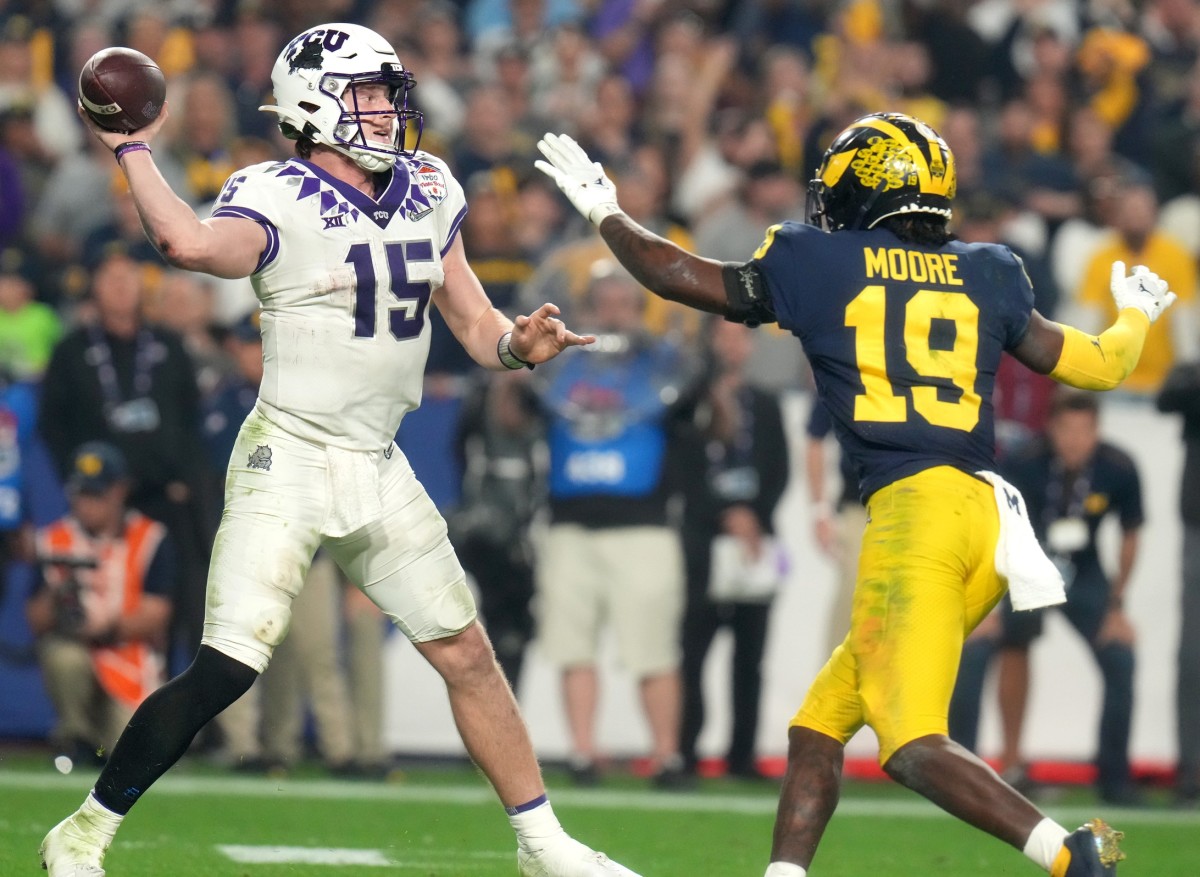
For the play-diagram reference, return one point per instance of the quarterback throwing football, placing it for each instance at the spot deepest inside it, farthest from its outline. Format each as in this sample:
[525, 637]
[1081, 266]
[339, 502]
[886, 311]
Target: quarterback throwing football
[347, 244]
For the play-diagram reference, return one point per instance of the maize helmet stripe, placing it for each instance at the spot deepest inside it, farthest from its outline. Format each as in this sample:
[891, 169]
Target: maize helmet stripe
[836, 165]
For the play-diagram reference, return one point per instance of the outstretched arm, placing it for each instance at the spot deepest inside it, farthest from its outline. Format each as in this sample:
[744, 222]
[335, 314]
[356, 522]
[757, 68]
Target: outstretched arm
[662, 267]
[1098, 362]
[223, 246]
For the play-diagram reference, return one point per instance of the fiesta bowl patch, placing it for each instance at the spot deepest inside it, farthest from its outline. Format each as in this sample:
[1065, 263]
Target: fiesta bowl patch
[431, 182]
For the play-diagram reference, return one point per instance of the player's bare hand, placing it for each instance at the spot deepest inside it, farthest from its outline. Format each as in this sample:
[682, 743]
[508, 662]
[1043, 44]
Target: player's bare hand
[113, 139]
[541, 336]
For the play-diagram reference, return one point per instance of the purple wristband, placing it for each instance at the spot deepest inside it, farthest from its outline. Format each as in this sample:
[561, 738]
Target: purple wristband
[131, 146]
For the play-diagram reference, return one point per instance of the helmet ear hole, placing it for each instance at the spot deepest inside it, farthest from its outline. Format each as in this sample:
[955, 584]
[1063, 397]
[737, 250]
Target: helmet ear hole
[308, 107]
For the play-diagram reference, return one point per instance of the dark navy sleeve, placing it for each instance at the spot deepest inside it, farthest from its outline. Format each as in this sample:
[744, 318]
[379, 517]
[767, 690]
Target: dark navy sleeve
[820, 424]
[1018, 298]
[786, 257]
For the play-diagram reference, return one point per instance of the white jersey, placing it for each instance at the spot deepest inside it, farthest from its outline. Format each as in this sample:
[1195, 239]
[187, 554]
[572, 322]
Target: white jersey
[344, 284]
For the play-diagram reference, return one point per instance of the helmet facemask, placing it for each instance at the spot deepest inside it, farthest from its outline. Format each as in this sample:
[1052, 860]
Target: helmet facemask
[348, 136]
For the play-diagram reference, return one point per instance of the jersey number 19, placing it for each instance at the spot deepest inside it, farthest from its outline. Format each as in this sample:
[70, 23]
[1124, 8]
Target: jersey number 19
[879, 402]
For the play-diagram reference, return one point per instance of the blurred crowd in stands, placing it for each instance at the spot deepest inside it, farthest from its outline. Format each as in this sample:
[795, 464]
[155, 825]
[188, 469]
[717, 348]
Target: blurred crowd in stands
[1076, 126]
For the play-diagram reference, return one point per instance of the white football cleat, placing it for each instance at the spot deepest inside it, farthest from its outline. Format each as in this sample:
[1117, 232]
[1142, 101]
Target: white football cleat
[70, 850]
[566, 857]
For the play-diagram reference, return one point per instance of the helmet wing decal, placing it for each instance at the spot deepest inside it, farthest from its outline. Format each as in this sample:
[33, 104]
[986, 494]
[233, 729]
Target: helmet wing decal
[929, 182]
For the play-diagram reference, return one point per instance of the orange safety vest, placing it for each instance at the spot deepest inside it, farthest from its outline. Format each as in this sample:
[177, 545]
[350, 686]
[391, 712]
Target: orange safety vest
[128, 671]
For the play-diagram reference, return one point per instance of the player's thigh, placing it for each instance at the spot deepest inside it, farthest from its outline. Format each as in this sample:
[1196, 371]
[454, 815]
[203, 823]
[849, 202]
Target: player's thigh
[405, 563]
[274, 503]
[833, 705]
[646, 595]
[920, 551]
[570, 587]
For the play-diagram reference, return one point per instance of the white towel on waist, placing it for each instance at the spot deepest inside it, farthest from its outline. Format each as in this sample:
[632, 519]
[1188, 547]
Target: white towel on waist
[1033, 579]
[353, 481]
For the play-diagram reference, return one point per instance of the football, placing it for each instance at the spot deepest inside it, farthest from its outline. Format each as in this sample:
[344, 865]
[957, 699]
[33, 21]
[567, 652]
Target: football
[121, 89]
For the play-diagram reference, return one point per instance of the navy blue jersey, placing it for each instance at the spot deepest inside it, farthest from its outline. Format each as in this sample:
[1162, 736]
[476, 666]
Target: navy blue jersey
[904, 341]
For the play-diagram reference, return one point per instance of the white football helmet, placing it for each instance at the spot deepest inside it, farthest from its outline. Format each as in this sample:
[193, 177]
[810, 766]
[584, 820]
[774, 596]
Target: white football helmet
[312, 78]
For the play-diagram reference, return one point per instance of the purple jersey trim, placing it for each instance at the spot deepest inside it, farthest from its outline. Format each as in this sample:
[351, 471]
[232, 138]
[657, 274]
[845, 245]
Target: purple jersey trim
[454, 230]
[272, 248]
[379, 210]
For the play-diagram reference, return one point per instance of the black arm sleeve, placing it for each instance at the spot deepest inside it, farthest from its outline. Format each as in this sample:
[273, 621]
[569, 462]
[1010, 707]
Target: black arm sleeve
[746, 292]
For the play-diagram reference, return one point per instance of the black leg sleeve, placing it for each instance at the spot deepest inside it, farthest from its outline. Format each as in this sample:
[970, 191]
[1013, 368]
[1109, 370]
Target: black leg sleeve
[166, 723]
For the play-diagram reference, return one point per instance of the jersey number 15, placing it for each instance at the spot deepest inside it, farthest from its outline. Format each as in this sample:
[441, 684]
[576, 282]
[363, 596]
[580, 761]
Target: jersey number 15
[407, 318]
[879, 403]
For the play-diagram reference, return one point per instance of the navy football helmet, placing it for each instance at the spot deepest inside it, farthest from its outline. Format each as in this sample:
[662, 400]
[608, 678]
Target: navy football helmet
[883, 164]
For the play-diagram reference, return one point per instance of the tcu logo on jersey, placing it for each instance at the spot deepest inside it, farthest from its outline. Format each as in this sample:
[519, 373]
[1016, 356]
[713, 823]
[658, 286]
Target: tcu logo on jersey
[305, 51]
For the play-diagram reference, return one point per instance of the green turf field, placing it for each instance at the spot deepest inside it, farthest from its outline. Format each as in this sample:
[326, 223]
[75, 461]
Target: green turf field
[199, 822]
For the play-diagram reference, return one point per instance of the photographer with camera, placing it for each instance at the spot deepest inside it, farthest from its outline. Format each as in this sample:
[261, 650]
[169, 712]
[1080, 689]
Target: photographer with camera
[101, 608]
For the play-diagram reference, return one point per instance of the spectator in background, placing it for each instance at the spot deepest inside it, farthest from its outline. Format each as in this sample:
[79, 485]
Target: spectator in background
[1180, 394]
[22, 84]
[540, 219]
[122, 232]
[440, 63]
[29, 329]
[738, 471]
[184, 305]
[501, 442]
[1134, 239]
[1172, 29]
[608, 122]
[955, 52]
[26, 165]
[18, 418]
[490, 229]
[12, 186]
[564, 79]
[623, 31]
[490, 140]
[1111, 67]
[100, 613]
[610, 555]
[766, 195]
[124, 381]
[530, 24]
[789, 106]
[77, 200]
[1071, 481]
[258, 39]
[203, 136]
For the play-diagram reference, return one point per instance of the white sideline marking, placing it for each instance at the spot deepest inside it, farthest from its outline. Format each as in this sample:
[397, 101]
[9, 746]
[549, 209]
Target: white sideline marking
[273, 855]
[583, 799]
